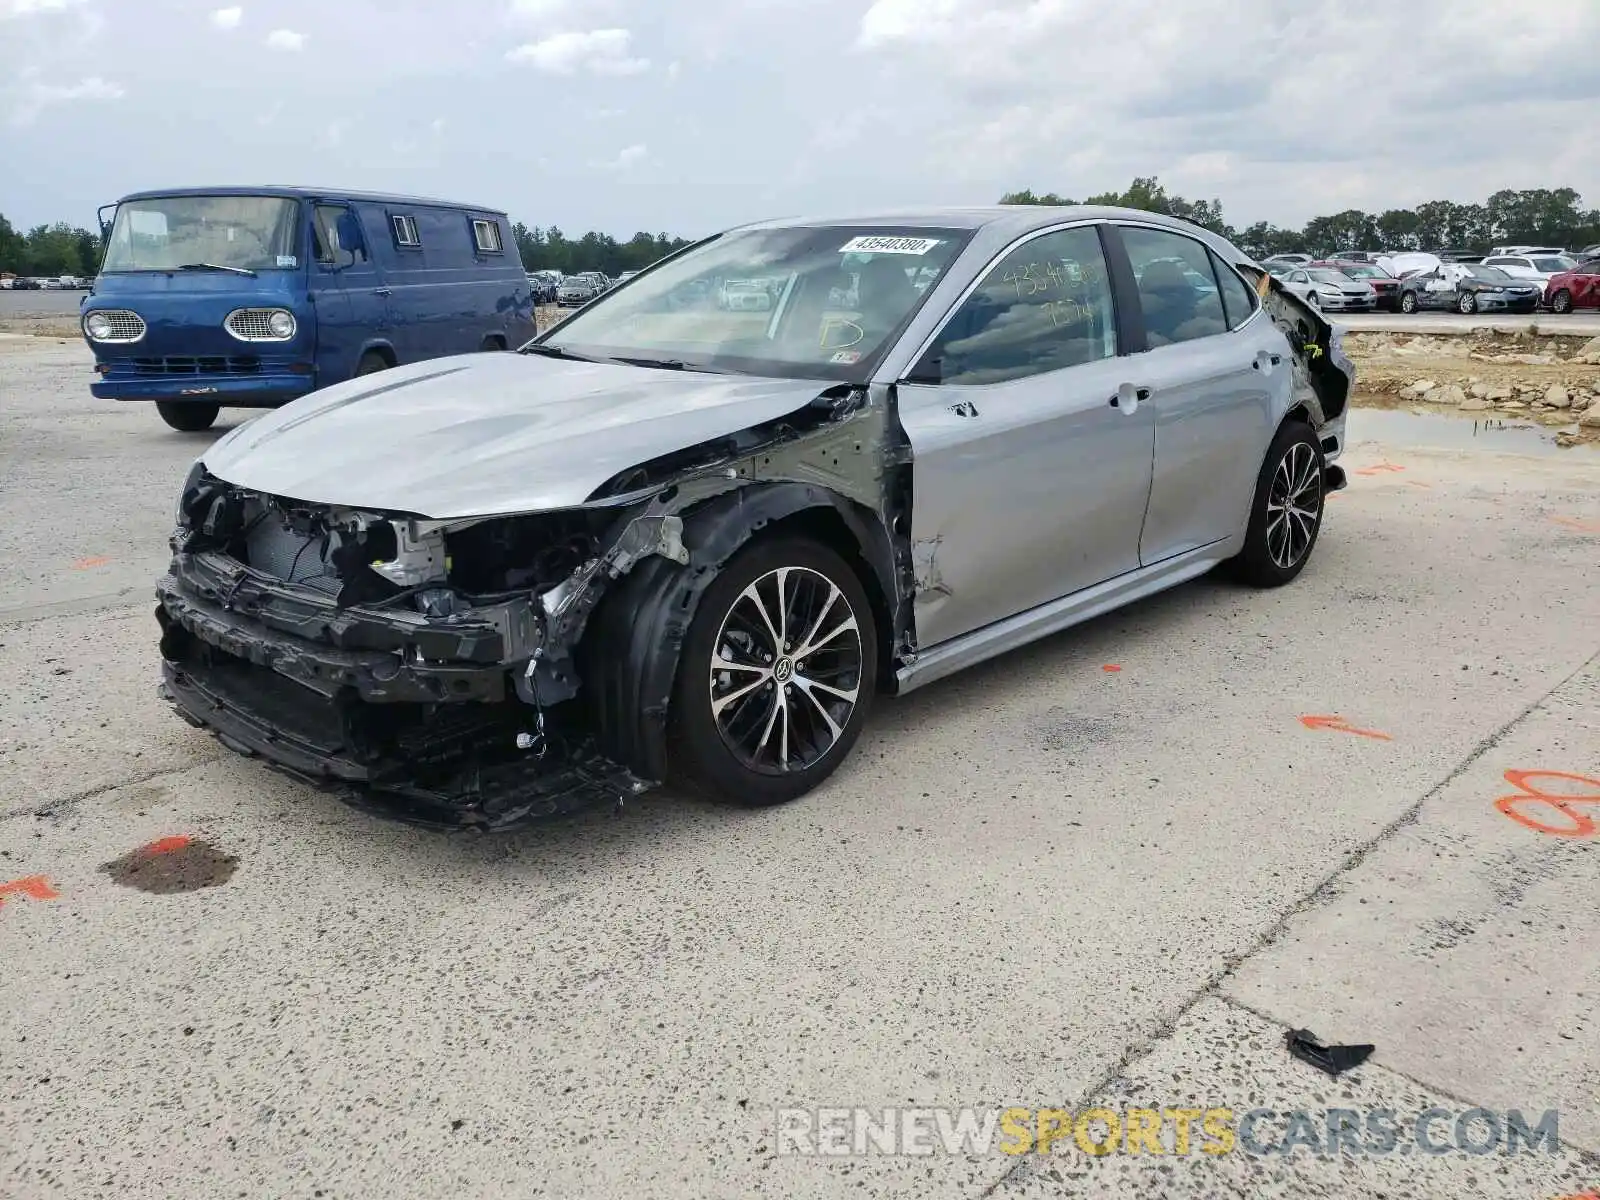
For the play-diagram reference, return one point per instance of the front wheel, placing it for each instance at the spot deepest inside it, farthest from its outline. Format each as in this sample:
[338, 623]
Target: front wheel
[1467, 304]
[1286, 514]
[1408, 303]
[190, 418]
[1561, 302]
[777, 674]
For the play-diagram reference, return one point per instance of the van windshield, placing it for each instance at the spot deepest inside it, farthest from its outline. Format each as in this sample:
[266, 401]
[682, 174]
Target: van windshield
[168, 233]
[811, 302]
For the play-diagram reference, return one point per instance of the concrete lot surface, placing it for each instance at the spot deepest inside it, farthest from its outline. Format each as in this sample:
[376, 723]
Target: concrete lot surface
[1114, 868]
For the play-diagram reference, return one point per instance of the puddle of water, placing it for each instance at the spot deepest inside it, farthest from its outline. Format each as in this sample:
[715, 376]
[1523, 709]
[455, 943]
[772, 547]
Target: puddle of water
[172, 865]
[1399, 428]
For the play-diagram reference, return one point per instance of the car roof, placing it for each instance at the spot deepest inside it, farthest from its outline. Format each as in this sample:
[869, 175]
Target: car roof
[1012, 218]
[296, 192]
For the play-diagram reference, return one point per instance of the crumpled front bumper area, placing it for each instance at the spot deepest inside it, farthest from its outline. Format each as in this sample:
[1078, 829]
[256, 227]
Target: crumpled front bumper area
[426, 740]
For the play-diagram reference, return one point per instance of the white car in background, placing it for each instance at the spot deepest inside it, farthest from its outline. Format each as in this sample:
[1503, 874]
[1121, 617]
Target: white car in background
[1534, 267]
[1323, 287]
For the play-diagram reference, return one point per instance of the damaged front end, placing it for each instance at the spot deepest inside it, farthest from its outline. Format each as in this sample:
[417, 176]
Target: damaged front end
[435, 669]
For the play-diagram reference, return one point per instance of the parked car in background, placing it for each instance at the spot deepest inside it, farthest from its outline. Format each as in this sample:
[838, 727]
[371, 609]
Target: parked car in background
[1467, 288]
[625, 276]
[1323, 287]
[1385, 287]
[1499, 251]
[545, 284]
[25, 283]
[577, 290]
[1296, 260]
[1577, 288]
[1534, 267]
[647, 548]
[250, 297]
[745, 295]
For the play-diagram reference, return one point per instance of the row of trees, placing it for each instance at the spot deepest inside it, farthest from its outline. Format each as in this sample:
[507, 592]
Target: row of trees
[1543, 216]
[1535, 216]
[50, 250]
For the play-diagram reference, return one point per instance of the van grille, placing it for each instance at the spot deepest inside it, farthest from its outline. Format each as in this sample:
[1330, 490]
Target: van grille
[198, 365]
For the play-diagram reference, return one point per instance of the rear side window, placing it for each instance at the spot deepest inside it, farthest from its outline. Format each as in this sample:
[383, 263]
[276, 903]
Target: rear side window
[1177, 289]
[1044, 306]
[486, 236]
[405, 230]
[1238, 301]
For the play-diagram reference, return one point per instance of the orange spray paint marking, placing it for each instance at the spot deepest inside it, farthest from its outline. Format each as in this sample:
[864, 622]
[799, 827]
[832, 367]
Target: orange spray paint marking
[1340, 725]
[83, 564]
[165, 845]
[1526, 795]
[1575, 523]
[35, 887]
[1417, 483]
[1111, 668]
[1383, 466]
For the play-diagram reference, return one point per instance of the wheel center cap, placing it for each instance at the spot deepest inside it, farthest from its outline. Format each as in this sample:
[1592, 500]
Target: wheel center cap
[782, 670]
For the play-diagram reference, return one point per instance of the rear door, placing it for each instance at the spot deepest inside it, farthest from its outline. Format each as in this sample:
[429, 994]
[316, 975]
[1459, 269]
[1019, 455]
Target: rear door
[1211, 381]
[1032, 467]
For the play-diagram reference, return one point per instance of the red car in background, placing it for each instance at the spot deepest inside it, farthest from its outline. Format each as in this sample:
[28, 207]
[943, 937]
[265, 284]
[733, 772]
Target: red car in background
[1385, 284]
[1577, 288]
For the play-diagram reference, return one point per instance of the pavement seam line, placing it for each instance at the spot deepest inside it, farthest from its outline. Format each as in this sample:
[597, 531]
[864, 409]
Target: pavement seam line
[83, 606]
[1212, 986]
[64, 805]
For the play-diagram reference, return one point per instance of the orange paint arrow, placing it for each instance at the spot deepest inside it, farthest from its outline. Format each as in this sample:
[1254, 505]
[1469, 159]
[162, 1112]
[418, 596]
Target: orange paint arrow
[1575, 523]
[1380, 467]
[1340, 725]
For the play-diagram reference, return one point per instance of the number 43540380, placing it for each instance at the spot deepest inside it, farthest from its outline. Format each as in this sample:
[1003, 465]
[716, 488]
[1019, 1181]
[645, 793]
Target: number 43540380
[1562, 812]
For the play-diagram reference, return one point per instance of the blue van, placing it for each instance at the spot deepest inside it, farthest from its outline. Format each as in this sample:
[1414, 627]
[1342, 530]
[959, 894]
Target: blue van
[249, 297]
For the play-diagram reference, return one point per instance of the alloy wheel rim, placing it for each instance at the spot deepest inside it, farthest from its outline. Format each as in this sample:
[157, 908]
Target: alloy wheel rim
[786, 671]
[1294, 503]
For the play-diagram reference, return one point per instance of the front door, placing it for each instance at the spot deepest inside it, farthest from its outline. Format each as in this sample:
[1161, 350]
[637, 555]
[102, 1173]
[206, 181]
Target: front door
[1031, 457]
[1212, 369]
[351, 299]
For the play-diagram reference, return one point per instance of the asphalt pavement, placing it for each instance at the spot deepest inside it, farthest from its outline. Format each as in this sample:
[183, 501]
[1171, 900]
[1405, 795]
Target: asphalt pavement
[1115, 868]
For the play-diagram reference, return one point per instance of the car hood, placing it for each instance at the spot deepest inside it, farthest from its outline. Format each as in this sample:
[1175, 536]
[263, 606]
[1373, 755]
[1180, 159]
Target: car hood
[488, 434]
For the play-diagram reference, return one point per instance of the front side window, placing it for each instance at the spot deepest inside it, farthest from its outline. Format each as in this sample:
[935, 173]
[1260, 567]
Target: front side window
[1044, 306]
[173, 233]
[805, 301]
[1176, 288]
[336, 234]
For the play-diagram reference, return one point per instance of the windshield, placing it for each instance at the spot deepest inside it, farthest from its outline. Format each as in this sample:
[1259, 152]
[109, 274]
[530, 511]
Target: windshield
[810, 302]
[1328, 276]
[1363, 271]
[1553, 265]
[247, 233]
[1493, 274]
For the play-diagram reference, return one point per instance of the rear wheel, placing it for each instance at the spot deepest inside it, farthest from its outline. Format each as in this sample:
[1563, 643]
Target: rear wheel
[1286, 514]
[1467, 304]
[777, 674]
[371, 363]
[190, 418]
[1561, 302]
[1408, 302]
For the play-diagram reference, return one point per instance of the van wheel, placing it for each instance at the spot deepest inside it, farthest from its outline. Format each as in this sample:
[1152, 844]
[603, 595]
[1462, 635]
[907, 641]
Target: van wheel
[777, 674]
[371, 363]
[190, 418]
[493, 342]
[1286, 514]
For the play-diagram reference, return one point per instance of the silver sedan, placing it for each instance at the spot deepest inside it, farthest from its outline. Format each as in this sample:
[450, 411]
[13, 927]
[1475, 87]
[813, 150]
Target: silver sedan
[1323, 287]
[674, 540]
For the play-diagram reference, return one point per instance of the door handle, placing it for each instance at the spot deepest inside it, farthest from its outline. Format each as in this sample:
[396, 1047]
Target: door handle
[1128, 398]
[1264, 359]
[382, 292]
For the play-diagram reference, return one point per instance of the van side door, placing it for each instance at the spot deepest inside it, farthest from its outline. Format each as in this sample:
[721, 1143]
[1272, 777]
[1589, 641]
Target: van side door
[349, 293]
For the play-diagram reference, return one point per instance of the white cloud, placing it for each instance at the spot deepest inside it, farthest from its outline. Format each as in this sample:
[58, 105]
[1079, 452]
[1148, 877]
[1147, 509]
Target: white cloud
[599, 51]
[285, 39]
[533, 11]
[227, 18]
[627, 157]
[33, 8]
[35, 97]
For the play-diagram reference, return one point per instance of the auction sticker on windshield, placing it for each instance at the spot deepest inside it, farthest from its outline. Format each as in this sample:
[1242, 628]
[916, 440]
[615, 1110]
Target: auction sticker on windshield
[888, 245]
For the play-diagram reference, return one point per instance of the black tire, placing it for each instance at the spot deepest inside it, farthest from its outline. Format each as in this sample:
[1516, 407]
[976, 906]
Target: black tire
[493, 343]
[703, 747]
[1266, 561]
[190, 418]
[371, 363]
[1467, 304]
[1408, 303]
[1561, 302]
[1311, 299]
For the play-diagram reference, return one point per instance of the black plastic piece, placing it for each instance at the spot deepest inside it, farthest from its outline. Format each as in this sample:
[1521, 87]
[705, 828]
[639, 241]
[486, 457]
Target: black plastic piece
[1335, 1060]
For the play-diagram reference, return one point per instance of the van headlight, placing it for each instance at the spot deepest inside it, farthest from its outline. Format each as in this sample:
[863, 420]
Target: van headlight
[260, 324]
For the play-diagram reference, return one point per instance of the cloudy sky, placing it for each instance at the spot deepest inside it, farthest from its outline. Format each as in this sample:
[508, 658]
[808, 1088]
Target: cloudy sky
[690, 115]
